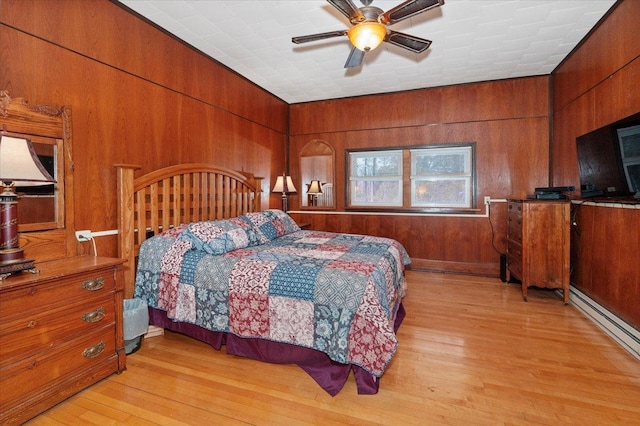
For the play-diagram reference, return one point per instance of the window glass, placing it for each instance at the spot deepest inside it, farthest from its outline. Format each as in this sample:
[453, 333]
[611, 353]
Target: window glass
[441, 177]
[375, 178]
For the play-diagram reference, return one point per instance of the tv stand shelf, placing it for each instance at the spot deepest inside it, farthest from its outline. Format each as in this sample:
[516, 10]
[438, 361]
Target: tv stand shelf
[621, 200]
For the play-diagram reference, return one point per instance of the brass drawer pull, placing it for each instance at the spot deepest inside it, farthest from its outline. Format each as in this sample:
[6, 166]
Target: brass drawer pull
[93, 351]
[93, 285]
[94, 316]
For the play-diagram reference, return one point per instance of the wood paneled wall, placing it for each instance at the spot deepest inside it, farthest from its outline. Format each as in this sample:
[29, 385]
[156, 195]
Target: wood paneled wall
[137, 95]
[507, 119]
[597, 85]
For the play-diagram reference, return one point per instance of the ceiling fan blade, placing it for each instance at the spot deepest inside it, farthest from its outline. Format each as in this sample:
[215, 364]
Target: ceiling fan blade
[355, 58]
[320, 36]
[406, 41]
[348, 9]
[408, 9]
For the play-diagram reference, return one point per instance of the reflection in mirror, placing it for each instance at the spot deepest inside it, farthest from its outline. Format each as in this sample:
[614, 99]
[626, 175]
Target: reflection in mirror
[316, 164]
[42, 207]
[37, 203]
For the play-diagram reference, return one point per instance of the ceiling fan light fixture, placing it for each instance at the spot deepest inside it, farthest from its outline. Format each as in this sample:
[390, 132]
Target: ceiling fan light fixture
[368, 35]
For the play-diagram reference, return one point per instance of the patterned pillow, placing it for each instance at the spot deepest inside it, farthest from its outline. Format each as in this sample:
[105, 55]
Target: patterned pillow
[221, 236]
[271, 224]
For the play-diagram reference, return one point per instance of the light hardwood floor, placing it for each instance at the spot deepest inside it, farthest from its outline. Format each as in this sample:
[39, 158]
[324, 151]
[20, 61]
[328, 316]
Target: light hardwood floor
[472, 352]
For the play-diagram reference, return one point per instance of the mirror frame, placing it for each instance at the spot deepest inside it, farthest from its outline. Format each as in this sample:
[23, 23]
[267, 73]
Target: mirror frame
[48, 124]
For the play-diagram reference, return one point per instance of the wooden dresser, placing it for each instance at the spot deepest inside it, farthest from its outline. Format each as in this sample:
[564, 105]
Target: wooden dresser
[60, 331]
[538, 235]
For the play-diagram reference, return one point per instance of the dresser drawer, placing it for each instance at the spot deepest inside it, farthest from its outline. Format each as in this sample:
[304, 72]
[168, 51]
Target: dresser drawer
[515, 266]
[42, 297]
[515, 209]
[33, 375]
[514, 229]
[27, 335]
[514, 258]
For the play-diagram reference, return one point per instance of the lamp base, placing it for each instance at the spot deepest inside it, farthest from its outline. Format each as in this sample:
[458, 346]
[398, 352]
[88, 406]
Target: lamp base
[12, 261]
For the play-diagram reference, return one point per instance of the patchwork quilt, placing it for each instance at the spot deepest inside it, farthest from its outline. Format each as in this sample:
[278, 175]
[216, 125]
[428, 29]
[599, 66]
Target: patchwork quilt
[260, 276]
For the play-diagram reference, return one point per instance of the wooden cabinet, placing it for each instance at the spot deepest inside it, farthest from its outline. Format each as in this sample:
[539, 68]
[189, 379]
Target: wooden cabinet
[538, 233]
[60, 331]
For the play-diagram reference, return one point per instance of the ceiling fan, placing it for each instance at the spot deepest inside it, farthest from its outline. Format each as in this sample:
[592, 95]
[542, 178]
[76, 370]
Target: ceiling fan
[369, 28]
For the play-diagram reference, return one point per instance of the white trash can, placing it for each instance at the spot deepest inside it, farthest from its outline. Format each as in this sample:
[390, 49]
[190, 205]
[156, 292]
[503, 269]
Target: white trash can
[135, 323]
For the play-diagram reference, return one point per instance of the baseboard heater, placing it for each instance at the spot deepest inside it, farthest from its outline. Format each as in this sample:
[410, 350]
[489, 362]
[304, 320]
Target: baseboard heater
[625, 335]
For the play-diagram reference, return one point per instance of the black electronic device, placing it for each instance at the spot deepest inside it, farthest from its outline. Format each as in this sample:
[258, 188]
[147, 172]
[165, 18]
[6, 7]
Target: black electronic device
[547, 196]
[551, 196]
[592, 193]
[553, 189]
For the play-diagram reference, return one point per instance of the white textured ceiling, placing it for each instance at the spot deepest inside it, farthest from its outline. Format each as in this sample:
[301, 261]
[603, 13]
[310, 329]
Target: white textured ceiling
[473, 40]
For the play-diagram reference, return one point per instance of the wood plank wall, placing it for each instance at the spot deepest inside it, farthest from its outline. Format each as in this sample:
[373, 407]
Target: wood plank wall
[598, 85]
[137, 95]
[507, 119]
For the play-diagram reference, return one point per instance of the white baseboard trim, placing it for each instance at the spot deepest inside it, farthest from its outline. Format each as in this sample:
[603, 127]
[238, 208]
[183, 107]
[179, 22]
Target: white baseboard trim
[626, 336]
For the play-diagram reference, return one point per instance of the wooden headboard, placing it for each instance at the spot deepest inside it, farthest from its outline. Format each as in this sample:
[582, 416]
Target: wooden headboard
[176, 195]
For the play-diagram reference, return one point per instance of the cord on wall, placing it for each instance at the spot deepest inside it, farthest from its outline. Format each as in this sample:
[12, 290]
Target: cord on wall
[87, 235]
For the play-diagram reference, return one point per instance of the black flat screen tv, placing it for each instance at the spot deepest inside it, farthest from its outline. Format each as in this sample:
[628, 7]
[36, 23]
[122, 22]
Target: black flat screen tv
[609, 160]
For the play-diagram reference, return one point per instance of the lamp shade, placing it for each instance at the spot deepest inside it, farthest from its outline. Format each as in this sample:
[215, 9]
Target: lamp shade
[284, 184]
[19, 163]
[367, 36]
[315, 187]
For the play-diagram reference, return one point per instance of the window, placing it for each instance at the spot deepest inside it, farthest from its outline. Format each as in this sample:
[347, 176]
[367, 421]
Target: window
[375, 178]
[441, 177]
[425, 178]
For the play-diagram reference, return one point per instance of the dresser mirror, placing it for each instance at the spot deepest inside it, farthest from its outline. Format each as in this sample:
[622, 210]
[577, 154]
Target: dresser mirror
[317, 160]
[48, 128]
[45, 213]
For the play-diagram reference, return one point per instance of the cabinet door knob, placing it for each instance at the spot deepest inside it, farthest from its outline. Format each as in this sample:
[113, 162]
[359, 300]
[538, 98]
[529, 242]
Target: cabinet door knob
[94, 316]
[93, 285]
[93, 351]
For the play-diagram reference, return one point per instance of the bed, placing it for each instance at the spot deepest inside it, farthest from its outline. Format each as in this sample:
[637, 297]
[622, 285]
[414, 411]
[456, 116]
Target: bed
[212, 265]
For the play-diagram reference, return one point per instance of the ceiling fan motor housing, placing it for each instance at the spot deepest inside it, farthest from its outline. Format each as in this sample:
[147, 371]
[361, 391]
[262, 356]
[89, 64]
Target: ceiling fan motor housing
[369, 14]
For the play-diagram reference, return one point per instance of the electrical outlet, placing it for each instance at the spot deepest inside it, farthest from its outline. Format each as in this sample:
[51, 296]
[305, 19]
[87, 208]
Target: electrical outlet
[83, 235]
[487, 199]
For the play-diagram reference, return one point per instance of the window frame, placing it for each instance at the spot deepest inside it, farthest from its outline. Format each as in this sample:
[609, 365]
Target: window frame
[409, 178]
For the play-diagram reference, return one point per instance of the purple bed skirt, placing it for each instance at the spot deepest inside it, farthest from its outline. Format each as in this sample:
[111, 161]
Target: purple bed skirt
[330, 375]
